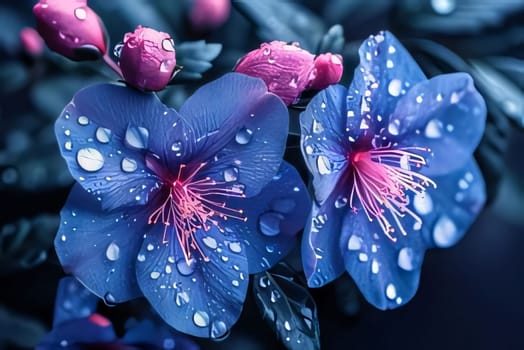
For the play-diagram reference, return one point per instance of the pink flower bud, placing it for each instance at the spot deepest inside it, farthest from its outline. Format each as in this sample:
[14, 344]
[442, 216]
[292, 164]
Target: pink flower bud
[328, 70]
[286, 69]
[209, 14]
[147, 59]
[71, 28]
[31, 41]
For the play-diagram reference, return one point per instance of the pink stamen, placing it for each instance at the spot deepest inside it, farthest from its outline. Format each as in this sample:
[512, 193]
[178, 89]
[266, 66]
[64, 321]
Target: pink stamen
[381, 178]
[188, 209]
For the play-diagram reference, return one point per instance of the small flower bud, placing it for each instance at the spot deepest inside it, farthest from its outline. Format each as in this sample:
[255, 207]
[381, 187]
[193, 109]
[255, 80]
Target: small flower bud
[71, 28]
[328, 70]
[209, 14]
[147, 59]
[286, 69]
[31, 41]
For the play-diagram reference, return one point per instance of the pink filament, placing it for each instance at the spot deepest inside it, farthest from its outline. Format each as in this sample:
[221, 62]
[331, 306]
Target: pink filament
[381, 178]
[188, 209]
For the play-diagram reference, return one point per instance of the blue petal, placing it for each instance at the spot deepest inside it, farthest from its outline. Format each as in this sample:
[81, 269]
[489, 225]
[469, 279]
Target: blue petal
[75, 333]
[385, 73]
[323, 143]
[321, 257]
[456, 203]
[387, 272]
[104, 135]
[444, 113]
[274, 217]
[237, 124]
[73, 301]
[99, 248]
[203, 299]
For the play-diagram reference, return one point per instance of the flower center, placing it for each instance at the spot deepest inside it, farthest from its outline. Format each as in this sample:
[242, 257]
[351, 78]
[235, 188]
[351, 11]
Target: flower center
[381, 178]
[192, 205]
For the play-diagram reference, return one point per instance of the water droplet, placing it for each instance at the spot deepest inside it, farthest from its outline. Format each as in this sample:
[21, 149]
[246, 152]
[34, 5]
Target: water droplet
[230, 174]
[375, 266]
[270, 248]
[117, 51]
[317, 127]
[275, 295]
[406, 259]
[83, 120]
[128, 165]
[269, 223]
[109, 299]
[68, 145]
[340, 202]
[166, 65]
[283, 205]
[391, 291]
[90, 159]
[218, 330]
[263, 282]
[137, 137]
[354, 242]
[423, 203]
[287, 326]
[394, 87]
[185, 268]
[443, 7]
[266, 51]
[81, 13]
[168, 44]
[103, 135]
[433, 129]
[243, 136]
[445, 232]
[201, 318]
[393, 127]
[176, 146]
[309, 149]
[390, 64]
[154, 275]
[181, 298]
[323, 165]
[235, 283]
[363, 257]
[235, 247]
[113, 251]
[210, 242]
[141, 257]
[150, 247]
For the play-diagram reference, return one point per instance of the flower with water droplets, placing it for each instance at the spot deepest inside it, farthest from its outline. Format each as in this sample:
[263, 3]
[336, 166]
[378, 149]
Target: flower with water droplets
[288, 70]
[147, 59]
[71, 28]
[393, 172]
[178, 207]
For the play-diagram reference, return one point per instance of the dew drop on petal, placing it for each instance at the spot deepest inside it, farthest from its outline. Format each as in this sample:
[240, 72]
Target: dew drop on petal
[201, 319]
[393, 127]
[128, 165]
[317, 127]
[269, 223]
[218, 329]
[137, 137]
[167, 44]
[109, 299]
[210, 242]
[287, 325]
[445, 232]
[141, 257]
[243, 136]
[433, 129]
[176, 146]
[406, 259]
[323, 165]
[184, 268]
[68, 145]
[103, 135]
[80, 13]
[394, 87]
[391, 291]
[230, 174]
[113, 252]
[90, 159]
[181, 298]
[375, 266]
[354, 243]
[154, 275]
[423, 203]
[363, 257]
[340, 202]
[235, 247]
[83, 120]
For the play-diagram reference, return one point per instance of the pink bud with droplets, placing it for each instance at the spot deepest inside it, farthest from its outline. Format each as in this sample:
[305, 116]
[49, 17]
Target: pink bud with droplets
[31, 41]
[209, 14]
[328, 71]
[71, 29]
[147, 59]
[285, 68]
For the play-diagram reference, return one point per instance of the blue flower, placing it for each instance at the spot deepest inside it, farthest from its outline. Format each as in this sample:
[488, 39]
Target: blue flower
[393, 172]
[179, 207]
[76, 325]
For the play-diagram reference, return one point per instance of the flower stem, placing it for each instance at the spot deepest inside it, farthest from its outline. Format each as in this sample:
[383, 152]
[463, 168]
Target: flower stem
[112, 65]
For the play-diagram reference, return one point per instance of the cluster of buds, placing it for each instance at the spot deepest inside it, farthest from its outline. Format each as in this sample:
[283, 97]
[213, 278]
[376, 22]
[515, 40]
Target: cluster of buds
[288, 70]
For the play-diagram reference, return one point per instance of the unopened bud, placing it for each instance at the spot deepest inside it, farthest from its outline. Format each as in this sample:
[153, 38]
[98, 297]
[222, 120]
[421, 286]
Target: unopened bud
[328, 70]
[31, 41]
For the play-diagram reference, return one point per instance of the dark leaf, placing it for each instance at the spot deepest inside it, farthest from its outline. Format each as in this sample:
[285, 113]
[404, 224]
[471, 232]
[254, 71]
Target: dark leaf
[13, 76]
[195, 57]
[288, 307]
[283, 20]
[19, 330]
[333, 41]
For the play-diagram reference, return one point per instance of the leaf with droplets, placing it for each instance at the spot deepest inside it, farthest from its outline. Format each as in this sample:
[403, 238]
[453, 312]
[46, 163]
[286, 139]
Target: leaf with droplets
[195, 57]
[283, 20]
[288, 307]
